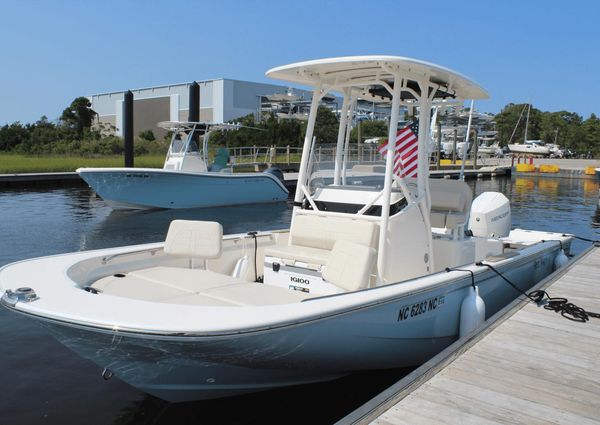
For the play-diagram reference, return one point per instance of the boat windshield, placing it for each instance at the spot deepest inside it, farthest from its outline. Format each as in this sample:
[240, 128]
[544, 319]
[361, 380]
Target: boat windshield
[178, 143]
[184, 142]
[363, 166]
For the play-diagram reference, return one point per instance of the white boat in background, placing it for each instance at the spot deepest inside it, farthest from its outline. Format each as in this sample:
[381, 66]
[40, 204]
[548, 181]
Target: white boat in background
[488, 149]
[528, 147]
[186, 179]
[373, 273]
[532, 147]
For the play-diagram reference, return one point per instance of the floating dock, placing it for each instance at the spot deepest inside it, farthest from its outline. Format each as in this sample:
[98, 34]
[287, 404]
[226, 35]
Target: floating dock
[40, 179]
[559, 168]
[527, 365]
[290, 178]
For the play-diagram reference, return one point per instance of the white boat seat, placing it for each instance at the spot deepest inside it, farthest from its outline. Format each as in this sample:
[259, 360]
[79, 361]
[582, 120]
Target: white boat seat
[293, 253]
[350, 265]
[255, 294]
[194, 239]
[158, 282]
[450, 203]
[193, 286]
[448, 220]
[323, 232]
[313, 237]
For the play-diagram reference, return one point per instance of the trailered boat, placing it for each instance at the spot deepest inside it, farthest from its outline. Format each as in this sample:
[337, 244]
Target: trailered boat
[358, 282]
[186, 179]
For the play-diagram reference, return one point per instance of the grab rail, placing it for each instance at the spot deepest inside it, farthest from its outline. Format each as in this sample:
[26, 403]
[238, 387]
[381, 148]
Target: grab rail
[108, 258]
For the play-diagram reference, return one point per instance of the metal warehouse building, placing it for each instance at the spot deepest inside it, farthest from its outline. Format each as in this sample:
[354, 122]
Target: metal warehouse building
[221, 100]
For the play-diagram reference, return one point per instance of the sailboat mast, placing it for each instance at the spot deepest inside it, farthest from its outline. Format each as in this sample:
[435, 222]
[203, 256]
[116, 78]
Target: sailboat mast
[526, 123]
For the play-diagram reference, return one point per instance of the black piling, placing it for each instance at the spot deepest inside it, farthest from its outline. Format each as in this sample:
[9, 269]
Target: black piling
[128, 128]
[194, 106]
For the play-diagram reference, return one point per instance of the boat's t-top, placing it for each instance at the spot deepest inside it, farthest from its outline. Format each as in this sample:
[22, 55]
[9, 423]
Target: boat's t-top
[189, 146]
[399, 203]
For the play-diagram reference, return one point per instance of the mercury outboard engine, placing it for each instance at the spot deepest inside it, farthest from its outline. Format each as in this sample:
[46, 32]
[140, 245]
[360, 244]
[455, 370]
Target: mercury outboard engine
[276, 172]
[490, 215]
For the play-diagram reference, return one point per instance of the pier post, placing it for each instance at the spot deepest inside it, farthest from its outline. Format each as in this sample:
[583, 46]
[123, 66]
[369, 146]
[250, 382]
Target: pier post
[475, 148]
[128, 128]
[439, 145]
[194, 103]
[454, 147]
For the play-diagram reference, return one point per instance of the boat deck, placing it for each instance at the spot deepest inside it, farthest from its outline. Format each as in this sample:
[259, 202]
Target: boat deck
[528, 365]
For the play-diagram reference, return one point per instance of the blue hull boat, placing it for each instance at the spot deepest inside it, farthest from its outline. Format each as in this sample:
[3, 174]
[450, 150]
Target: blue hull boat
[185, 180]
[142, 188]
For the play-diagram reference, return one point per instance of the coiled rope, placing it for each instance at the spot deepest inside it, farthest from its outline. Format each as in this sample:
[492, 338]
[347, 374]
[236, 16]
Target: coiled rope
[558, 305]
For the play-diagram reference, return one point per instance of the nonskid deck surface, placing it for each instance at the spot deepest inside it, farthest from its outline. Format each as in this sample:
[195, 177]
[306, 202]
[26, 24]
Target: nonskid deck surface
[175, 285]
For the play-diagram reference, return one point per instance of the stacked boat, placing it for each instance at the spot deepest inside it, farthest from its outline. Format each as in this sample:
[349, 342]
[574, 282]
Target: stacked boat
[373, 273]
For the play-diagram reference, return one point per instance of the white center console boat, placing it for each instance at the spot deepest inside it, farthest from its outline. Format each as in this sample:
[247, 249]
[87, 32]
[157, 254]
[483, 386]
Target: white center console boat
[187, 179]
[363, 278]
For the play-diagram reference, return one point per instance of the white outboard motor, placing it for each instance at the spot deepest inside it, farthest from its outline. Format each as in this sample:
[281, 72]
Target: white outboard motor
[490, 215]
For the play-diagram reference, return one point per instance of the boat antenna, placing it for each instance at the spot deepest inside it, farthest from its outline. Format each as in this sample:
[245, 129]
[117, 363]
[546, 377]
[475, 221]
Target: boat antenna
[464, 158]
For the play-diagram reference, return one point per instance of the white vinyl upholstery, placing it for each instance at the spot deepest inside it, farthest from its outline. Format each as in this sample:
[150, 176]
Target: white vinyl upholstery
[450, 203]
[322, 232]
[174, 285]
[313, 237]
[349, 265]
[194, 239]
[304, 254]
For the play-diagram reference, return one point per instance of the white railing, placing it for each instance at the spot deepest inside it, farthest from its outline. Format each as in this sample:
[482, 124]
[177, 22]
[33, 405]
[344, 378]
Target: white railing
[364, 153]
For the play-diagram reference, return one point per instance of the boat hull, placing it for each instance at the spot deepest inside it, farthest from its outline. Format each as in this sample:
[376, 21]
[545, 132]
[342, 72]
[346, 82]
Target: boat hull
[148, 188]
[529, 149]
[392, 333]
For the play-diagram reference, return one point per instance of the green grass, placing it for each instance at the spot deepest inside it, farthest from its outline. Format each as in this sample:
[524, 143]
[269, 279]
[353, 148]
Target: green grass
[13, 163]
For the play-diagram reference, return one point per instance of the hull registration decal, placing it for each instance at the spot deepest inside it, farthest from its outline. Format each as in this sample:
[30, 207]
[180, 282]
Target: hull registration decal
[412, 310]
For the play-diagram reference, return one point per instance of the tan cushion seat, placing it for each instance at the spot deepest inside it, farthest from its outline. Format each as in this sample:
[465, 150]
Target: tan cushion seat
[304, 254]
[191, 238]
[322, 232]
[438, 219]
[162, 283]
[349, 266]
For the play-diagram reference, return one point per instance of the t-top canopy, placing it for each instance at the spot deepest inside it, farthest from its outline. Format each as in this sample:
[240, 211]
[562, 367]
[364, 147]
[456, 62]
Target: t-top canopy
[189, 125]
[365, 75]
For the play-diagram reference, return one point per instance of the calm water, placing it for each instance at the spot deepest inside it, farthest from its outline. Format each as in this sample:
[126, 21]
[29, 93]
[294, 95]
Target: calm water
[43, 382]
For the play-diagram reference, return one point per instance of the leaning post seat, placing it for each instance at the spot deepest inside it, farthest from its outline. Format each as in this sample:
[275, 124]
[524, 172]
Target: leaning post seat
[194, 239]
[450, 203]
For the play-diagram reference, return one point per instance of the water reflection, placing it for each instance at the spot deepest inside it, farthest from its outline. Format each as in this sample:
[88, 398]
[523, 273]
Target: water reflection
[69, 389]
[590, 188]
[313, 403]
[124, 227]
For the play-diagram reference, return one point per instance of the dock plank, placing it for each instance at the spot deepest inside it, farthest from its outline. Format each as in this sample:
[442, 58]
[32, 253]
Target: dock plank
[533, 367]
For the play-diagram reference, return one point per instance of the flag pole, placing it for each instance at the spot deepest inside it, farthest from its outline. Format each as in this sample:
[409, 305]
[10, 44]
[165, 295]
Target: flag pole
[464, 158]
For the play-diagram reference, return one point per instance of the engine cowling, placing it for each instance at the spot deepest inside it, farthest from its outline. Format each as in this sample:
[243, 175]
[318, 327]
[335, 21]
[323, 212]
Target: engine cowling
[490, 215]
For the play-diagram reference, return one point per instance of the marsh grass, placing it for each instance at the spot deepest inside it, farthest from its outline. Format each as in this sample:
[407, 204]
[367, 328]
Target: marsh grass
[15, 163]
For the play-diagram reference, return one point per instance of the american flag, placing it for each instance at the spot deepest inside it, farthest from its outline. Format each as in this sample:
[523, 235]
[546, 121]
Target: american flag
[407, 149]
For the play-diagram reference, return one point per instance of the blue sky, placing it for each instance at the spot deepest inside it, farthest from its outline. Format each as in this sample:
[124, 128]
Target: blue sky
[546, 52]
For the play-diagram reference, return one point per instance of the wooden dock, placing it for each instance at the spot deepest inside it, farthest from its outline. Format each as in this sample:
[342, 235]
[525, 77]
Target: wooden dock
[290, 178]
[528, 365]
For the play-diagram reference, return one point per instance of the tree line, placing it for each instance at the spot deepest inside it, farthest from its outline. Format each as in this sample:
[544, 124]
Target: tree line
[75, 133]
[567, 129]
